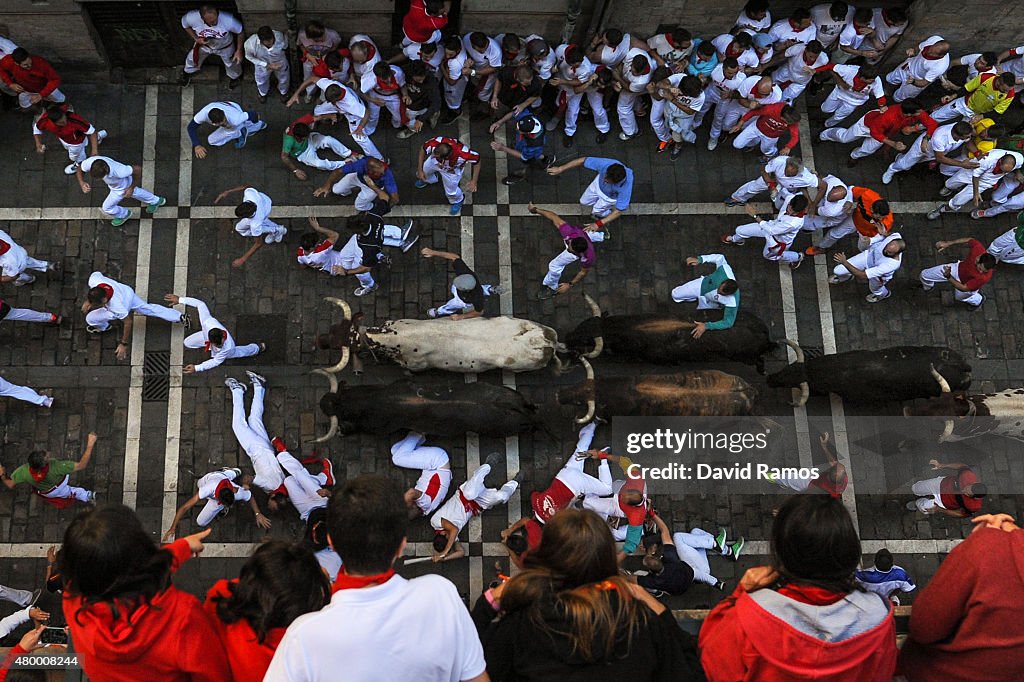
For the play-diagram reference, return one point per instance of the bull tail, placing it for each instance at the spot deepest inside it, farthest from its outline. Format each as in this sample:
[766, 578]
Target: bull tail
[591, 401]
[805, 389]
[598, 340]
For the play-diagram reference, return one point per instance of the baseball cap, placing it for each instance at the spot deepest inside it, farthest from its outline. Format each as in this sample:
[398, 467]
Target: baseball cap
[529, 125]
[762, 40]
[465, 283]
[537, 48]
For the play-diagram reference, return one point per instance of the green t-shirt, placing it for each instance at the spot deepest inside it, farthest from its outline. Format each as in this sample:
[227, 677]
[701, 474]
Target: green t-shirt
[293, 147]
[58, 470]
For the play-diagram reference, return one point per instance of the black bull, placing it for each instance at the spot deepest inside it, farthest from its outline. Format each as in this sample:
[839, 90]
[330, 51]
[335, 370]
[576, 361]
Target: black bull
[869, 376]
[440, 408]
[667, 339]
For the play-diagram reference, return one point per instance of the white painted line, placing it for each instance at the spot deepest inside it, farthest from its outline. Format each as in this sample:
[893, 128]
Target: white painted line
[133, 429]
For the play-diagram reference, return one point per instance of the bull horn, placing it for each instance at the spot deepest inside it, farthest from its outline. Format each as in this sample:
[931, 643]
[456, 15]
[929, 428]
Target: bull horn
[947, 432]
[943, 384]
[591, 403]
[805, 389]
[598, 340]
[342, 363]
[345, 310]
[805, 393]
[796, 349]
[333, 430]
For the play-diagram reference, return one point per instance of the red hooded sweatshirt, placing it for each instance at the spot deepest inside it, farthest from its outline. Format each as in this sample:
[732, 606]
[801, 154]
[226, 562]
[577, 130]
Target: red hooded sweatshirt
[249, 659]
[169, 639]
[799, 634]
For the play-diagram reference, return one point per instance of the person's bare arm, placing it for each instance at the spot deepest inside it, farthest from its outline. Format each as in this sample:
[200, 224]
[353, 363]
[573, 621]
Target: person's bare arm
[302, 87]
[419, 168]
[614, 215]
[126, 334]
[261, 520]
[427, 252]
[286, 159]
[471, 187]
[859, 275]
[241, 260]
[575, 163]
[514, 527]
[452, 533]
[178, 515]
[6, 478]
[90, 442]
[663, 530]
[331, 235]
[228, 192]
[94, 143]
[555, 219]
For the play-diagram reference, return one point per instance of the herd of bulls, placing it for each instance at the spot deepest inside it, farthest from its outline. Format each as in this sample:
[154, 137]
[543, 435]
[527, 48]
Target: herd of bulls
[936, 378]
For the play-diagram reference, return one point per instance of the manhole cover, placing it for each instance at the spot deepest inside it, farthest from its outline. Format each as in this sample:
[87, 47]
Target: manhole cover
[156, 381]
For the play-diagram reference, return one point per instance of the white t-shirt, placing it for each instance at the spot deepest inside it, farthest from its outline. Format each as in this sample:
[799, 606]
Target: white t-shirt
[846, 73]
[218, 36]
[668, 52]
[544, 67]
[13, 261]
[777, 168]
[120, 304]
[796, 69]
[456, 64]
[208, 486]
[567, 72]
[637, 83]
[320, 47]
[491, 56]
[969, 60]
[943, 141]
[7, 46]
[748, 59]
[234, 115]
[883, 31]
[833, 209]
[323, 257]
[784, 31]
[349, 105]
[745, 22]
[374, 52]
[988, 169]
[827, 29]
[720, 85]
[119, 177]
[261, 55]
[612, 55]
[368, 84]
[920, 67]
[253, 227]
[747, 90]
[434, 489]
[453, 510]
[1015, 66]
[851, 39]
[415, 629]
[880, 266]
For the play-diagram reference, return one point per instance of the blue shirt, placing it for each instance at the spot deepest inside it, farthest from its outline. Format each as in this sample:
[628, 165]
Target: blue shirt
[703, 68]
[386, 182]
[620, 192]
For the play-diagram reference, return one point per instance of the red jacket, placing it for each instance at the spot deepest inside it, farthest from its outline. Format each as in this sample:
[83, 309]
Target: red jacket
[966, 621]
[248, 658]
[770, 123]
[769, 636]
[169, 639]
[418, 26]
[885, 124]
[40, 79]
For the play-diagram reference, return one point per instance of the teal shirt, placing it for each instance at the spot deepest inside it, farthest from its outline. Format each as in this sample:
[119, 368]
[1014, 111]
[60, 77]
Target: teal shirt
[712, 282]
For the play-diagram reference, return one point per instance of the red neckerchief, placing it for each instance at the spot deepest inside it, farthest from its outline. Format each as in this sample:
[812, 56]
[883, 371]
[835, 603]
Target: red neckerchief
[108, 290]
[208, 345]
[809, 594]
[859, 83]
[668, 39]
[389, 85]
[509, 56]
[322, 246]
[224, 484]
[344, 581]
[647, 70]
[794, 26]
[731, 51]
[4, 247]
[924, 53]
[39, 475]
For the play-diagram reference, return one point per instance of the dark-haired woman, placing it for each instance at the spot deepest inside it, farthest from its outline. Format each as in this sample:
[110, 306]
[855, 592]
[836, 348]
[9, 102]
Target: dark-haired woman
[571, 616]
[280, 582]
[127, 619]
[803, 617]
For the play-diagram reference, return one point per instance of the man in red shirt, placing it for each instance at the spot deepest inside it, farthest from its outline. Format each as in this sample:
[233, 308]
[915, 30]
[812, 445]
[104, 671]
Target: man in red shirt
[772, 122]
[879, 126]
[73, 131]
[423, 23]
[966, 277]
[957, 495]
[31, 77]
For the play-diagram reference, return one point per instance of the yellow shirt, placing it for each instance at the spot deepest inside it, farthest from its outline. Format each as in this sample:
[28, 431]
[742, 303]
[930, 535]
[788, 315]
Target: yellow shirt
[984, 97]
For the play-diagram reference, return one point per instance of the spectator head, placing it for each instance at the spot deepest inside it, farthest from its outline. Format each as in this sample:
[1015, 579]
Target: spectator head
[511, 44]
[728, 287]
[217, 337]
[690, 86]
[333, 93]
[300, 131]
[537, 49]
[706, 50]
[246, 209]
[894, 16]
[38, 459]
[741, 41]
[280, 582]
[442, 151]
[730, 67]
[360, 51]
[55, 112]
[837, 193]
[800, 17]
[789, 114]
[660, 76]
[97, 296]
[615, 173]
[993, 132]
[640, 65]
[478, 39]
[894, 248]
[797, 205]
[334, 61]
[99, 169]
[756, 9]
[574, 55]
[577, 246]
[986, 60]
[764, 86]
[883, 560]
[813, 50]
[428, 50]
[814, 542]
[1005, 81]
[226, 495]
[613, 36]
[605, 77]
[911, 106]
[375, 167]
[315, 30]
[366, 522]
[416, 71]
[793, 166]
[868, 72]
[962, 130]
[210, 14]
[276, 500]
[108, 557]
[838, 10]
[382, 70]
[452, 46]
[986, 262]
[308, 242]
[862, 17]
[517, 544]
[266, 36]
[762, 43]
[216, 116]
[979, 490]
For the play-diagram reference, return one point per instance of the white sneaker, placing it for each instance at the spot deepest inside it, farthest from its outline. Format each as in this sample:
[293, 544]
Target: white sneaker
[48, 402]
[71, 168]
[279, 236]
[101, 135]
[887, 176]
[363, 291]
[256, 379]
[875, 298]
[432, 313]
[23, 282]
[234, 384]
[712, 144]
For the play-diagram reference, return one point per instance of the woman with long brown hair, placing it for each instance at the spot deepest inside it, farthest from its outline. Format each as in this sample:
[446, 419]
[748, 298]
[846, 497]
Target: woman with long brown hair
[570, 615]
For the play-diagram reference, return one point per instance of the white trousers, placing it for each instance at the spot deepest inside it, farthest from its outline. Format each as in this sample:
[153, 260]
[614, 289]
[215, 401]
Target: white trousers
[303, 487]
[751, 135]
[1006, 249]
[1002, 202]
[32, 264]
[26, 315]
[901, 77]
[929, 492]
[394, 107]
[351, 182]
[76, 152]
[932, 276]
[271, 232]
[626, 110]
[20, 597]
[476, 491]
[556, 266]
[449, 179]
[112, 204]
[659, 119]
[456, 305]
[773, 250]
[484, 89]
[693, 548]
[198, 54]
[711, 99]
[453, 94]
[840, 107]
[844, 228]
[904, 161]
[749, 190]
[572, 110]
[20, 392]
[956, 109]
[599, 203]
[858, 131]
[25, 102]
[101, 317]
[317, 142]
[221, 135]
[681, 124]
[860, 261]
[690, 291]
[262, 76]
[962, 182]
[577, 480]
[727, 115]
[252, 437]
[792, 91]
[361, 139]
[410, 453]
[65, 491]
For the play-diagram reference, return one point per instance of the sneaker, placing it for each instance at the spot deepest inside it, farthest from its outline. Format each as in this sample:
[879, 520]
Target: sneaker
[363, 291]
[813, 251]
[551, 124]
[729, 201]
[278, 236]
[545, 293]
[736, 548]
[664, 146]
[22, 282]
[91, 497]
[409, 243]
[406, 229]
[911, 506]
[934, 215]
[434, 119]
[420, 184]
[279, 444]
[71, 169]
[152, 208]
[405, 133]
[48, 401]
[975, 308]
[284, 98]
[567, 140]
[263, 347]
[234, 384]
[677, 151]
[186, 320]
[945, 192]
[494, 459]
[887, 176]
[497, 291]
[624, 137]
[720, 539]
[797, 263]
[512, 179]
[521, 476]
[184, 79]
[55, 319]
[93, 329]
[456, 209]
[601, 137]
[720, 585]
[979, 213]
[712, 144]
[234, 83]
[875, 298]
[118, 222]
[728, 239]
[328, 469]
[836, 279]
[432, 313]
[256, 379]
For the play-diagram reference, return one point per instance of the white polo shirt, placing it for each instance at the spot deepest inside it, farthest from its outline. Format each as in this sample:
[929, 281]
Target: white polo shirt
[120, 304]
[777, 168]
[568, 72]
[218, 36]
[927, 69]
[748, 59]
[491, 56]
[637, 83]
[234, 115]
[417, 630]
[120, 176]
[612, 55]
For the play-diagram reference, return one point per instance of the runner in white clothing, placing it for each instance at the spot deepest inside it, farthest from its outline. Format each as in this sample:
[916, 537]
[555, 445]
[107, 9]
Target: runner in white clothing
[485, 58]
[340, 100]
[15, 262]
[251, 434]
[631, 78]
[829, 21]
[967, 184]
[122, 181]
[1007, 196]
[724, 80]
[267, 49]
[213, 32]
[1009, 246]
[254, 214]
[922, 66]
[778, 233]
[855, 85]
[11, 390]
[110, 300]
[359, 254]
[781, 177]
[382, 87]
[221, 489]
[755, 91]
[942, 146]
[435, 476]
[574, 78]
[11, 314]
[230, 122]
[213, 337]
[877, 265]
[472, 498]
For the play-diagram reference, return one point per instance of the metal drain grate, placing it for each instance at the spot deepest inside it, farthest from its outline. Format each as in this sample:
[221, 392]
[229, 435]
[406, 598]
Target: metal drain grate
[156, 380]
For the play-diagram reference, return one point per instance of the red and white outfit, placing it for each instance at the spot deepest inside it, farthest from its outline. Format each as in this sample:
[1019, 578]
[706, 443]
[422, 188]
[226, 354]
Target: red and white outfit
[831, 213]
[828, 29]
[764, 127]
[659, 120]
[572, 99]
[436, 474]
[260, 224]
[450, 169]
[636, 85]
[122, 301]
[118, 180]
[472, 498]
[681, 122]
[778, 234]
[40, 79]
[988, 174]
[314, 51]
[748, 58]
[419, 27]
[842, 102]
[15, 261]
[220, 40]
[883, 31]
[201, 339]
[352, 109]
[73, 135]
[571, 481]
[302, 487]
[785, 30]
[876, 126]
[613, 55]
[878, 267]
[360, 69]
[782, 186]
[918, 67]
[325, 258]
[796, 72]
[729, 112]
[252, 436]
[389, 92]
[210, 485]
[1007, 196]
[966, 272]
[716, 92]
[491, 56]
[941, 140]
